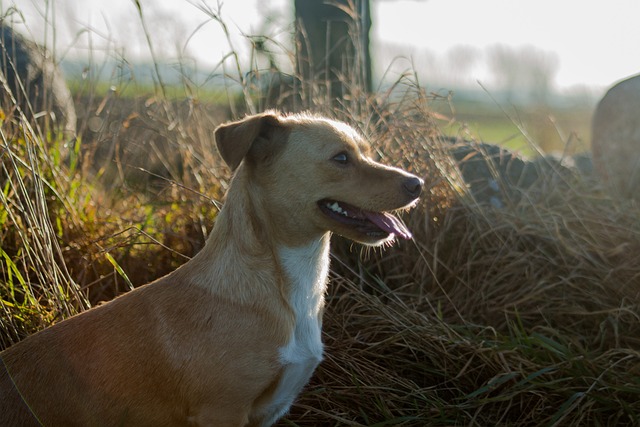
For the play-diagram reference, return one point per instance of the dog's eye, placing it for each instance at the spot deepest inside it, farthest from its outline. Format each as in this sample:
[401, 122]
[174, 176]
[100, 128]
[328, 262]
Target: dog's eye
[341, 158]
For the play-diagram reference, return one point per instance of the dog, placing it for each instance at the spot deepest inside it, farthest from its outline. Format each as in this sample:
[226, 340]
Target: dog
[231, 337]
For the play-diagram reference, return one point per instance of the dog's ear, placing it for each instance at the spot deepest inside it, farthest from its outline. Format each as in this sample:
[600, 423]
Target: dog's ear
[236, 139]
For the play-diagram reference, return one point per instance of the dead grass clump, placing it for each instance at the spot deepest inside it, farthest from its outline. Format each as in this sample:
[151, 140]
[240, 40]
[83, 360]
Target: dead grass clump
[390, 364]
[572, 266]
[145, 143]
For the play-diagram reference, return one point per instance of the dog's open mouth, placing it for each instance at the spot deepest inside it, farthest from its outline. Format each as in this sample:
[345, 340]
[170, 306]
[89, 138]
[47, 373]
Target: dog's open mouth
[375, 224]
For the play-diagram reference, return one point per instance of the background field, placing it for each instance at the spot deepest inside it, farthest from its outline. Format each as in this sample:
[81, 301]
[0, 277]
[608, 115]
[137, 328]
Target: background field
[563, 125]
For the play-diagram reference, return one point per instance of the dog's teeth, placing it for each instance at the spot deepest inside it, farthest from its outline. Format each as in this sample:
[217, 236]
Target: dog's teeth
[337, 208]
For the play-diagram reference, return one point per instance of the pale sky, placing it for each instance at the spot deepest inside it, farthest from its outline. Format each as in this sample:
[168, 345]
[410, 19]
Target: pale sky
[596, 42]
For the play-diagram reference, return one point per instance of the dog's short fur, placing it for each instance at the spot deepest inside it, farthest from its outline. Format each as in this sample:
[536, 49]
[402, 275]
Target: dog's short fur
[231, 337]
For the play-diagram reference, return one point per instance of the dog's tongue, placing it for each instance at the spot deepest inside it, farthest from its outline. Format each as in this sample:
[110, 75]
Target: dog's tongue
[388, 223]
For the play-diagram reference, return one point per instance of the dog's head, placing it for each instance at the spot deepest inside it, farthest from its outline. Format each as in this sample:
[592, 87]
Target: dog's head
[312, 175]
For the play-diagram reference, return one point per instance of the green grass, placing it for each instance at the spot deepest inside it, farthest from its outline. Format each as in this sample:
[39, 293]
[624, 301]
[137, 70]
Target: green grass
[132, 89]
[522, 129]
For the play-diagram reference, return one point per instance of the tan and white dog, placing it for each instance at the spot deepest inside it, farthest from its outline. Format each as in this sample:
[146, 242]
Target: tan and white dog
[231, 337]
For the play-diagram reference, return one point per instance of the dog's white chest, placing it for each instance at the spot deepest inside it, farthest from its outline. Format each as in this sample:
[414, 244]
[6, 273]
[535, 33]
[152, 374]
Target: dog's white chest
[307, 267]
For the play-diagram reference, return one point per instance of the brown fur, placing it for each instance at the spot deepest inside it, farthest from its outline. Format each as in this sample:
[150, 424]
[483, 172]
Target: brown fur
[203, 345]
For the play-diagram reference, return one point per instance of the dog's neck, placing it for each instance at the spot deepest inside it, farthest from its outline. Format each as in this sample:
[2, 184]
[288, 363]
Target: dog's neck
[242, 242]
[307, 270]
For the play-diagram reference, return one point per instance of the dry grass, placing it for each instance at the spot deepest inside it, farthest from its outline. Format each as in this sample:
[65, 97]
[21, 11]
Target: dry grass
[526, 315]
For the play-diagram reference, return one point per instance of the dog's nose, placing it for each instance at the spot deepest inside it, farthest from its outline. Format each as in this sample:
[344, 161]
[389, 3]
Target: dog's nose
[413, 185]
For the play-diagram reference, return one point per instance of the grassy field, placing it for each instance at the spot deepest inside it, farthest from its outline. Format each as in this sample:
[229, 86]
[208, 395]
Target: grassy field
[552, 128]
[527, 315]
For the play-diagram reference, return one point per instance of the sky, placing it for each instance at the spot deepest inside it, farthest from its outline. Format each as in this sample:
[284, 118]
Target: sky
[597, 42]
[587, 43]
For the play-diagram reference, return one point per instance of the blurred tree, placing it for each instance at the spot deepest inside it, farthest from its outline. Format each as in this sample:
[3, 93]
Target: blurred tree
[332, 38]
[460, 61]
[524, 69]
